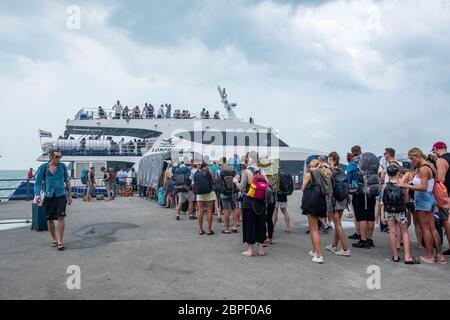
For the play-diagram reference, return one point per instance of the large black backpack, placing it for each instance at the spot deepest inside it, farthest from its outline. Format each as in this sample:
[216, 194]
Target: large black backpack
[368, 170]
[203, 181]
[313, 200]
[393, 199]
[286, 183]
[227, 185]
[341, 188]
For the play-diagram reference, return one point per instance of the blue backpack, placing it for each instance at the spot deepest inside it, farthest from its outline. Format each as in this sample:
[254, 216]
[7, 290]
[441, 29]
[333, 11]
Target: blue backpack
[161, 196]
[84, 175]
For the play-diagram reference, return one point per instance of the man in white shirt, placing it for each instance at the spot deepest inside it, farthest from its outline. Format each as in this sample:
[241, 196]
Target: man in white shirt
[117, 110]
[161, 112]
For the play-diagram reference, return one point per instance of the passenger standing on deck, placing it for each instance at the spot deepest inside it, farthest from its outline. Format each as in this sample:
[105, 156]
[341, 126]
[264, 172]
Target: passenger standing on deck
[443, 172]
[205, 196]
[316, 185]
[254, 209]
[336, 204]
[423, 184]
[118, 109]
[30, 174]
[53, 177]
[160, 112]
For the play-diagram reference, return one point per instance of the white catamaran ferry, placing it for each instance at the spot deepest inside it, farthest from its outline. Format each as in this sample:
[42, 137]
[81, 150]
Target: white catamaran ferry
[102, 138]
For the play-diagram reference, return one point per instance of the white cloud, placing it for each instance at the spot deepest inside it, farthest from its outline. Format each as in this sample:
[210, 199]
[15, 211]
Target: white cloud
[329, 76]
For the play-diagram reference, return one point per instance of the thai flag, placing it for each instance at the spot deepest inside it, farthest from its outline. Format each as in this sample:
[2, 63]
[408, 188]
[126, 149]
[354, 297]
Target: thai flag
[45, 134]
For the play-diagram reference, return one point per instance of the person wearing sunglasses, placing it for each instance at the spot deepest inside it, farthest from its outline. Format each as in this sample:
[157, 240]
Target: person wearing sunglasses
[52, 190]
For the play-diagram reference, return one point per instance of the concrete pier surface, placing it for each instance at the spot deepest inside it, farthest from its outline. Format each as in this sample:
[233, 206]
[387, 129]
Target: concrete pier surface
[132, 249]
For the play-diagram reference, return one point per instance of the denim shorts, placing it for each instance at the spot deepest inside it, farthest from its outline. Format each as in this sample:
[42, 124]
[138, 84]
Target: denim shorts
[424, 201]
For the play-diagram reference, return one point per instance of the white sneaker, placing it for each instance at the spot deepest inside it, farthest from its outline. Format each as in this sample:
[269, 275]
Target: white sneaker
[331, 248]
[342, 253]
[317, 259]
[312, 253]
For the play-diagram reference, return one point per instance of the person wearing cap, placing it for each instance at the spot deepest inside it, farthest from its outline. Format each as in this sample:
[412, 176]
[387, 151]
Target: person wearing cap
[443, 172]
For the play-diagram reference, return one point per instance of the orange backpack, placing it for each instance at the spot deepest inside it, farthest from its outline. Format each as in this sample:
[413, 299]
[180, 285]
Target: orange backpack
[441, 194]
[440, 191]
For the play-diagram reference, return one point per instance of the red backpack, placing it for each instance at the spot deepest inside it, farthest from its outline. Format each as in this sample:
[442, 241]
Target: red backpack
[257, 189]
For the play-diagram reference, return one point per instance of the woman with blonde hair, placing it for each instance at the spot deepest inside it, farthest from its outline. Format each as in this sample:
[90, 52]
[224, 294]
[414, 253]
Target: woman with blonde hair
[254, 211]
[336, 207]
[423, 184]
[316, 185]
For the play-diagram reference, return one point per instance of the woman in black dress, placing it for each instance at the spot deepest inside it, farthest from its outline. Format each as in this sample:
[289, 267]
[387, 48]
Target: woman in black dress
[254, 211]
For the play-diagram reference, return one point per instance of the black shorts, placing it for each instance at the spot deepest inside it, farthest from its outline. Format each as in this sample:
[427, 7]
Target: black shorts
[359, 206]
[55, 208]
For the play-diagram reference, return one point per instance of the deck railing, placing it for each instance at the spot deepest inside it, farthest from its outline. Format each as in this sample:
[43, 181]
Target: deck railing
[94, 114]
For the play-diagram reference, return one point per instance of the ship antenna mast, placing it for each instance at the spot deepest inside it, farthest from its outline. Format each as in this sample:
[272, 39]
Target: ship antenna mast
[228, 106]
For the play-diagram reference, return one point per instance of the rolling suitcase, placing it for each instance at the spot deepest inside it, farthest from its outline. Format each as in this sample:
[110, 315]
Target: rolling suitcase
[38, 219]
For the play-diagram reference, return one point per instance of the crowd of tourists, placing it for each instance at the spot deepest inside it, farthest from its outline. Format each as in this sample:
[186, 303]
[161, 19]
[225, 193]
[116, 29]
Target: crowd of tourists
[250, 193]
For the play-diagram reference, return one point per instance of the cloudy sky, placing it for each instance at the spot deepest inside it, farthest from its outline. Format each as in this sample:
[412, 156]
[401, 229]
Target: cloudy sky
[328, 74]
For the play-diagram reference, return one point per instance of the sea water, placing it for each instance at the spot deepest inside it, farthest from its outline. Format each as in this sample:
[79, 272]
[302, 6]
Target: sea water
[10, 174]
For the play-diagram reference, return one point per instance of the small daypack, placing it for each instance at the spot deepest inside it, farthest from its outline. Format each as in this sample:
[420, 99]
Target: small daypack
[257, 189]
[393, 199]
[84, 176]
[286, 183]
[227, 184]
[203, 181]
[341, 188]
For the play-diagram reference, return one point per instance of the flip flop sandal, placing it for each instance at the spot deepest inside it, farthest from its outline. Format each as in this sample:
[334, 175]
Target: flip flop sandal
[61, 247]
[393, 259]
[414, 261]
[441, 262]
[54, 244]
[225, 232]
[426, 260]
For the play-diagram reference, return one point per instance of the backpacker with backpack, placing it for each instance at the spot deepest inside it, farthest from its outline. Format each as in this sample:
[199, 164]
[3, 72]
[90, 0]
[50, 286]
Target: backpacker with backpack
[182, 179]
[271, 168]
[313, 200]
[341, 188]
[203, 181]
[368, 171]
[84, 176]
[226, 180]
[393, 199]
[257, 189]
[286, 183]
